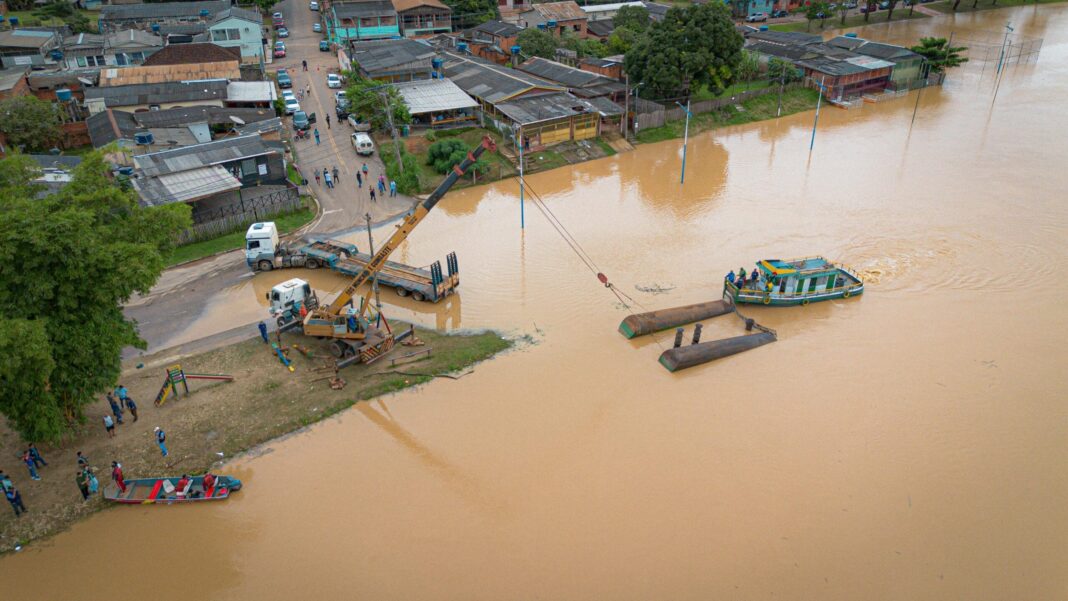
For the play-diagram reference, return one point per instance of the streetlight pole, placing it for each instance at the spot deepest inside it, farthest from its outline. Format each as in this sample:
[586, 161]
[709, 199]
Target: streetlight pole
[685, 139]
[819, 101]
[1001, 59]
[393, 129]
[518, 135]
[371, 248]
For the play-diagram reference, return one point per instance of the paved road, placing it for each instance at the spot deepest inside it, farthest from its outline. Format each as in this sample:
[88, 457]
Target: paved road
[181, 294]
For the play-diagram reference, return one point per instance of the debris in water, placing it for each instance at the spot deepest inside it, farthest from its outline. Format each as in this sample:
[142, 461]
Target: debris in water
[655, 288]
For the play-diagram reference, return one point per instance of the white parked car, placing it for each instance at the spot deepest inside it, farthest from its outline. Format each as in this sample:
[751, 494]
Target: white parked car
[313, 5]
[317, 28]
[339, 97]
[292, 105]
[287, 94]
[363, 144]
[333, 80]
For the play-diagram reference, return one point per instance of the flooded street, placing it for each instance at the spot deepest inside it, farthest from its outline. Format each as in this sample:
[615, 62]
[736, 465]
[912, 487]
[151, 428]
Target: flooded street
[909, 444]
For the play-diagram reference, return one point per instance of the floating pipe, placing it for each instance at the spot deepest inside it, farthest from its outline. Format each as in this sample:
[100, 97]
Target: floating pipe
[695, 354]
[654, 321]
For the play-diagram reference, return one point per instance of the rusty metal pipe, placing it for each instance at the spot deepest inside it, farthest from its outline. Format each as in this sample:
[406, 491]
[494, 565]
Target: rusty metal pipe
[655, 321]
[695, 354]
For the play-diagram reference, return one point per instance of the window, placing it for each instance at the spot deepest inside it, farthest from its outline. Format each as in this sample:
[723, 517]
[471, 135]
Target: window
[248, 167]
[812, 284]
[577, 27]
[81, 61]
[91, 61]
[253, 245]
[221, 35]
[120, 59]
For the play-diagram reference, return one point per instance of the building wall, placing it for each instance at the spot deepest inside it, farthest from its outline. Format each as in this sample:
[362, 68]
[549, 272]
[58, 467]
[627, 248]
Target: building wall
[110, 60]
[615, 71]
[907, 71]
[250, 42]
[375, 28]
[21, 88]
[425, 20]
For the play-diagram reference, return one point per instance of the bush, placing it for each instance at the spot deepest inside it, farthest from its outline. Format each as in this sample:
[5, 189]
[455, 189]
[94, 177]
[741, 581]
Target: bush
[431, 136]
[446, 153]
[408, 182]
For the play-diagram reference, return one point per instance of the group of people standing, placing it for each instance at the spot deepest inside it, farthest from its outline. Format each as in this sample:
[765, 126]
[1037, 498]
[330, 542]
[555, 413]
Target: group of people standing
[332, 177]
[119, 401]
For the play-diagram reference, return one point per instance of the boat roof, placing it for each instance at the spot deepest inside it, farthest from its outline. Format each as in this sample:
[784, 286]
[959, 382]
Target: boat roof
[807, 265]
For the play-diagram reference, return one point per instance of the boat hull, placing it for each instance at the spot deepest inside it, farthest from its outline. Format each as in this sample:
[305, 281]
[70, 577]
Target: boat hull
[146, 491]
[777, 300]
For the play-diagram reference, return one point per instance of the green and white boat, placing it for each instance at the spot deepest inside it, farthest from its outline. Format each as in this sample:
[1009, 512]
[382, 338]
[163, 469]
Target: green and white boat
[793, 282]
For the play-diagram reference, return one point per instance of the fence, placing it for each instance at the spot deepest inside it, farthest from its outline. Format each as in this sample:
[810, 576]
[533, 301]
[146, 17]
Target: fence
[657, 118]
[233, 212]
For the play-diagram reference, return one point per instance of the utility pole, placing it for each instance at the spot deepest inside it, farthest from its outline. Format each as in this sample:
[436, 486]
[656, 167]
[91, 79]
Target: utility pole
[371, 248]
[392, 128]
[1001, 58]
[819, 101]
[919, 91]
[626, 106]
[522, 183]
[782, 88]
[685, 139]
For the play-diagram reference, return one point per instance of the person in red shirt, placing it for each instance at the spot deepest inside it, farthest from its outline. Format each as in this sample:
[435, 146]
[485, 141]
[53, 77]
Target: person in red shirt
[209, 482]
[183, 483]
[116, 475]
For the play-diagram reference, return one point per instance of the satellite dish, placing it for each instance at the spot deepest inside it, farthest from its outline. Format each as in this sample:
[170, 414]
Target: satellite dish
[85, 81]
[237, 120]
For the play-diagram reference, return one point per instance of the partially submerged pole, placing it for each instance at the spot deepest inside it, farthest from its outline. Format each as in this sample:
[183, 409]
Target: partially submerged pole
[696, 334]
[678, 337]
[663, 319]
[683, 357]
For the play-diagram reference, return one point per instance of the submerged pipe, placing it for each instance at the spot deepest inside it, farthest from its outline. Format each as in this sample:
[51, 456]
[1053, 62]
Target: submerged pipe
[678, 337]
[682, 357]
[696, 334]
[655, 321]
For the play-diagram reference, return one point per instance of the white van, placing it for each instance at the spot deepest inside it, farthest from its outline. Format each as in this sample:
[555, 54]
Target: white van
[362, 143]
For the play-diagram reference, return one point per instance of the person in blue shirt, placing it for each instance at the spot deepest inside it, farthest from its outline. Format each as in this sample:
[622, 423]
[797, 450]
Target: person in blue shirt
[731, 276]
[161, 439]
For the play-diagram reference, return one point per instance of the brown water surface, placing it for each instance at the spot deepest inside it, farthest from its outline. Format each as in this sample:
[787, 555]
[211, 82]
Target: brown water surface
[910, 444]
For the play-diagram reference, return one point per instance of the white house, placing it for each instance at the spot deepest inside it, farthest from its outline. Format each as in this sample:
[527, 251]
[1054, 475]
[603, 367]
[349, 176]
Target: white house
[127, 47]
[239, 28]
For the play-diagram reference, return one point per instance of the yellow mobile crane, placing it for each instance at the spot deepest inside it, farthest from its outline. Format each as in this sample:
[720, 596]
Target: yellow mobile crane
[353, 333]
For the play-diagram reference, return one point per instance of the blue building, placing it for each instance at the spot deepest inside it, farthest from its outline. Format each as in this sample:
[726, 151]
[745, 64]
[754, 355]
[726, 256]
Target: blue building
[359, 21]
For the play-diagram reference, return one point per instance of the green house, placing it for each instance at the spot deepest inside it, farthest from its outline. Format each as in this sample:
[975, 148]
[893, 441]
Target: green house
[359, 21]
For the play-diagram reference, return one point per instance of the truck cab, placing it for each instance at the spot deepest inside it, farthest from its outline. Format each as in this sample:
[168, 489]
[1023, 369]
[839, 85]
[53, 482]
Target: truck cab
[261, 245]
[285, 299]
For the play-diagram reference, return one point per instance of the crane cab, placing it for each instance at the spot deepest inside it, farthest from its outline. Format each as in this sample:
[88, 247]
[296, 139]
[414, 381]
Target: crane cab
[261, 244]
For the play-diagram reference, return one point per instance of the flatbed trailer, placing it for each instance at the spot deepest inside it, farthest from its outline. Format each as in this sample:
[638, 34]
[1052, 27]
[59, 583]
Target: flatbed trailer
[430, 285]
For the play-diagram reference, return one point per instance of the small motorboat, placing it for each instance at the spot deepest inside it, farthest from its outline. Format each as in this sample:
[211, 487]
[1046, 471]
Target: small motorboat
[164, 490]
[794, 282]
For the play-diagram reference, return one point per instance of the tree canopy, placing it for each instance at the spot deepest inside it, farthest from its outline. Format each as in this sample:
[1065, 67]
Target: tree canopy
[365, 98]
[469, 13]
[68, 261]
[535, 42]
[634, 18]
[691, 47]
[939, 55]
[30, 123]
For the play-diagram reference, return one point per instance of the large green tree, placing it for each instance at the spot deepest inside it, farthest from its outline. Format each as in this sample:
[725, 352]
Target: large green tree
[940, 56]
[68, 262]
[30, 123]
[368, 98]
[535, 42]
[634, 18]
[691, 47]
[469, 13]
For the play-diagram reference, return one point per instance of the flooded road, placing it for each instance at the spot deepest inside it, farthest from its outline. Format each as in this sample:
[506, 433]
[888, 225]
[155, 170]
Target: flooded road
[910, 444]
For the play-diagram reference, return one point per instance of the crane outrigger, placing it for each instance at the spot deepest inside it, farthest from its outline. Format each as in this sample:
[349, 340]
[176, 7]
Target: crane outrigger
[352, 332]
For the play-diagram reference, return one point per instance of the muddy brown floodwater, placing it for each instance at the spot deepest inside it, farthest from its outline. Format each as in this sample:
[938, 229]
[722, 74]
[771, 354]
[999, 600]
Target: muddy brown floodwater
[910, 444]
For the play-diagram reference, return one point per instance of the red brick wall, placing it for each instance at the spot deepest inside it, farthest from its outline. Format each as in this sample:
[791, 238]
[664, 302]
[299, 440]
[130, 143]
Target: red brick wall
[22, 88]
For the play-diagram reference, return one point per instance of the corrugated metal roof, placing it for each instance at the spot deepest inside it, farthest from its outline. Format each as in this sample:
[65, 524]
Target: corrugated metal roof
[560, 11]
[432, 95]
[239, 13]
[161, 9]
[546, 107]
[185, 186]
[382, 55]
[364, 8]
[495, 28]
[601, 8]
[492, 82]
[200, 155]
[158, 93]
[568, 76]
[251, 91]
[26, 38]
[403, 5]
[213, 115]
[124, 76]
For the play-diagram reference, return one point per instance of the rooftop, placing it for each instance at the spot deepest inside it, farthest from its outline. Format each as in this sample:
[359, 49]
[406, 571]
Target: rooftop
[492, 82]
[187, 158]
[185, 186]
[213, 115]
[259, 127]
[185, 54]
[604, 106]
[608, 61]
[786, 37]
[604, 8]
[601, 28]
[239, 13]
[560, 11]
[158, 93]
[657, 11]
[26, 38]
[403, 5]
[382, 55]
[364, 8]
[155, 10]
[432, 95]
[596, 85]
[61, 162]
[123, 76]
[124, 39]
[9, 78]
[494, 28]
[543, 107]
[107, 126]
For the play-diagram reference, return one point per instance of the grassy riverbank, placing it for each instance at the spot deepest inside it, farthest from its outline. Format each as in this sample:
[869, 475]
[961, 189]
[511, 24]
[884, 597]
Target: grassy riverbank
[216, 421]
[967, 6]
[760, 108]
[901, 13]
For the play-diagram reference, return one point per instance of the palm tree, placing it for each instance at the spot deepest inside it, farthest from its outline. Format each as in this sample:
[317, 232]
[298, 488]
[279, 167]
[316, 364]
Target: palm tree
[940, 56]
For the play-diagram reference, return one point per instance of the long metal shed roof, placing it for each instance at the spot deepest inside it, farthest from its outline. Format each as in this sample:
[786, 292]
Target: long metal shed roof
[433, 95]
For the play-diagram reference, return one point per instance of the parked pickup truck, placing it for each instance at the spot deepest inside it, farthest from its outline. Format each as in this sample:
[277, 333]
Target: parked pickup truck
[263, 252]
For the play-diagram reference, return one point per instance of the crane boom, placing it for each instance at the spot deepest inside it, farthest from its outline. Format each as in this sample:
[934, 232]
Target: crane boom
[379, 259]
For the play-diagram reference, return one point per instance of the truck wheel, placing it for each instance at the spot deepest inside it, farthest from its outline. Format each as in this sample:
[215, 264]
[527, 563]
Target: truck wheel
[281, 322]
[338, 348]
[266, 265]
[311, 264]
[418, 296]
[402, 292]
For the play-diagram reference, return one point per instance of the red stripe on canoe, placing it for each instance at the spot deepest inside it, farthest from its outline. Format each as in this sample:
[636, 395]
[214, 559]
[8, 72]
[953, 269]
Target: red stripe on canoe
[155, 490]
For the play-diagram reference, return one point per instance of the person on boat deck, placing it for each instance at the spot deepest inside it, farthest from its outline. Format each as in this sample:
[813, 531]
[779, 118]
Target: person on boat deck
[755, 276]
[730, 276]
[769, 286]
[183, 484]
[741, 273]
[209, 481]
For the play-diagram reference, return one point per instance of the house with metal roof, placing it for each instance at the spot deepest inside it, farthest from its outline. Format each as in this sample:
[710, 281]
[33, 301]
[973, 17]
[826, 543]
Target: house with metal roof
[579, 82]
[492, 40]
[909, 67]
[600, 30]
[145, 15]
[437, 103]
[609, 66]
[118, 49]
[119, 126]
[393, 60]
[191, 54]
[419, 18]
[556, 18]
[657, 11]
[13, 82]
[208, 174]
[144, 74]
[239, 28]
[361, 20]
[607, 12]
[156, 96]
[25, 47]
[539, 112]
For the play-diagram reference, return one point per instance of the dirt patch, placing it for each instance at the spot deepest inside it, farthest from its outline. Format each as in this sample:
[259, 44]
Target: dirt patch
[216, 420]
